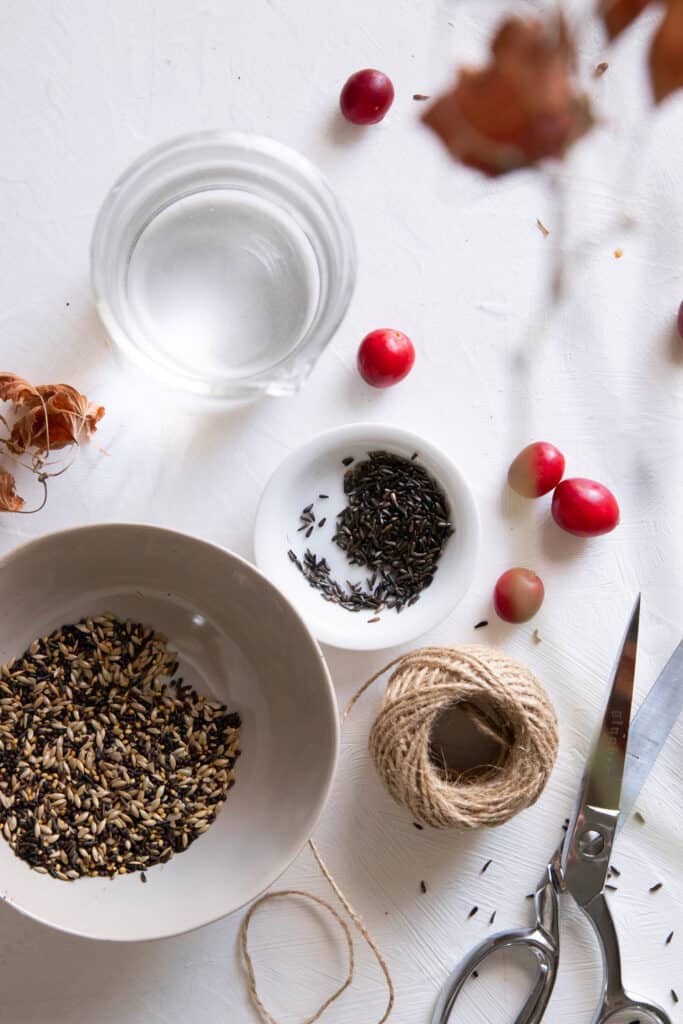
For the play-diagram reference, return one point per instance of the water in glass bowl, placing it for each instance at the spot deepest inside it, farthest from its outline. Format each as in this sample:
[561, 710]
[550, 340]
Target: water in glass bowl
[222, 281]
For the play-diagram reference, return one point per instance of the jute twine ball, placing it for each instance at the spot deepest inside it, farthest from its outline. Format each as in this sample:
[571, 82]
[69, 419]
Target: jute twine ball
[503, 701]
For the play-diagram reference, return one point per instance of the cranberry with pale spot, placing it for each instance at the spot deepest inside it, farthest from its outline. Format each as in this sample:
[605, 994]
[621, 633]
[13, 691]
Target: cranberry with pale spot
[518, 594]
[536, 470]
[366, 96]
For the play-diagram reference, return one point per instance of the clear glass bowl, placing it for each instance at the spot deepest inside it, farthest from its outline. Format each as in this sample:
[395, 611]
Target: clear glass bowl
[223, 264]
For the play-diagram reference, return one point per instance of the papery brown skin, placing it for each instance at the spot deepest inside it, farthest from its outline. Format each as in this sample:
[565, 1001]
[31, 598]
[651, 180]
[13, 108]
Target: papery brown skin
[666, 53]
[519, 109]
[69, 414]
[618, 14]
[16, 389]
[10, 501]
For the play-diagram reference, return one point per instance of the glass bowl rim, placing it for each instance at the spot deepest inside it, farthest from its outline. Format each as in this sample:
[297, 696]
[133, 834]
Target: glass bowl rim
[217, 387]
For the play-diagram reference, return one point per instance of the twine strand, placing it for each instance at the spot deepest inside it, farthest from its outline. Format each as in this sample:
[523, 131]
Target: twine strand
[249, 965]
[503, 701]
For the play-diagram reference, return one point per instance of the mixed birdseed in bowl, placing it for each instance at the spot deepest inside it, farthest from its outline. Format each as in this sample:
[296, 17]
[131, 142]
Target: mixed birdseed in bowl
[109, 763]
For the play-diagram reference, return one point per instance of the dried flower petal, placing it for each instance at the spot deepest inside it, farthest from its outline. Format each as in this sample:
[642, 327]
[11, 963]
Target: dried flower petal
[50, 416]
[519, 109]
[16, 389]
[666, 53]
[45, 418]
[9, 499]
[618, 14]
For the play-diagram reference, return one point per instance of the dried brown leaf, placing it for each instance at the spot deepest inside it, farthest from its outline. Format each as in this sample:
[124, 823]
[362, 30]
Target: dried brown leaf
[618, 14]
[17, 389]
[666, 53]
[519, 109]
[9, 499]
[60, 417]
[49, 416]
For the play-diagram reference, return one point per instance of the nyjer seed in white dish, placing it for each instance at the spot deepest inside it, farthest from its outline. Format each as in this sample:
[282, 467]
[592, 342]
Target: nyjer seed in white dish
[317, 468]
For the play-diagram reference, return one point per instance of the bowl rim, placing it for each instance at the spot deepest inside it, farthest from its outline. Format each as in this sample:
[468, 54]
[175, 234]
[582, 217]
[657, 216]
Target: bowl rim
[405, 439]
[219, 389]
[323, 799]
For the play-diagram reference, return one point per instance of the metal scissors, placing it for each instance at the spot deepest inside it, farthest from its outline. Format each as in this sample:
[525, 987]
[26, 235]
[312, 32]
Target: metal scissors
[616, 770]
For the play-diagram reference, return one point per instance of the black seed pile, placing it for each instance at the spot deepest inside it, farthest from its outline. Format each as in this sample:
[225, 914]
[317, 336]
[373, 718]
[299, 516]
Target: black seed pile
[105, 768]
[395, 524]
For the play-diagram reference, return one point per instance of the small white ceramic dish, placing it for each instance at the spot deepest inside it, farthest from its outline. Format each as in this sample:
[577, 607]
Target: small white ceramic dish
[240, 641]
[316, 468]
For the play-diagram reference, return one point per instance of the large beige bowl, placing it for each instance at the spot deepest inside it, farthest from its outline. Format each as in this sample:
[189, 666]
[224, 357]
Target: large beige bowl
[240, 641]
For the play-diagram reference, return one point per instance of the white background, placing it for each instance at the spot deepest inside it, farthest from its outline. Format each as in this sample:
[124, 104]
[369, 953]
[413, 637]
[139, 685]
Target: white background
[457, 262]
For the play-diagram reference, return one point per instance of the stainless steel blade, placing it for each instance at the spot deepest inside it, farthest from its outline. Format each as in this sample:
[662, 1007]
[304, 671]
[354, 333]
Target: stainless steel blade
[605, 768]
[650, 729]
[588, 844]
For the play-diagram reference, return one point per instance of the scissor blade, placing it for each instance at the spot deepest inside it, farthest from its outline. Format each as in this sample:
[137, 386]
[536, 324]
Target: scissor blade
[605, 770]
[651, 727]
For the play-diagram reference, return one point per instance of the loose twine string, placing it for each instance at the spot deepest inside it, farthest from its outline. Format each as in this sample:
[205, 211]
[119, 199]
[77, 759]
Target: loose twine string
[504, 702]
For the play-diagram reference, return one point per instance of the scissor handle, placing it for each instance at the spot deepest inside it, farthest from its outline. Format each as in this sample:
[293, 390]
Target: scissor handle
[615, 999]
[542, 941]
[535, 941]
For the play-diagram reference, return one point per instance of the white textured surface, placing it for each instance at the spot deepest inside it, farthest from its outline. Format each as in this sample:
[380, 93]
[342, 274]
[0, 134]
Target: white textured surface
[459, 264]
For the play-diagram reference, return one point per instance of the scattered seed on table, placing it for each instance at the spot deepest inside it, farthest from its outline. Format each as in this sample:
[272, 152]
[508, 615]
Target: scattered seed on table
[530, 896]
[322, 521]
[420, 96]
[309, 531]
[610, 888]
[472, 912]
[475, 974]
[305, 511]
[674, 995]
[417, 825]
[121, 763]
[347, 461]
[481, 624]
[323, 496]
[423, 887]
[669, 938]
[639, 817]
[375, 619]
[143, 877]
[656, 887]
[486, 866]
[492, 917]
[615, 871]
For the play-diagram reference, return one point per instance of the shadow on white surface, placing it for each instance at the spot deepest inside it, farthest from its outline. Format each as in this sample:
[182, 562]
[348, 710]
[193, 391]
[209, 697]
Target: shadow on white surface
[341, 132]
[559, 546]
[46, 975]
